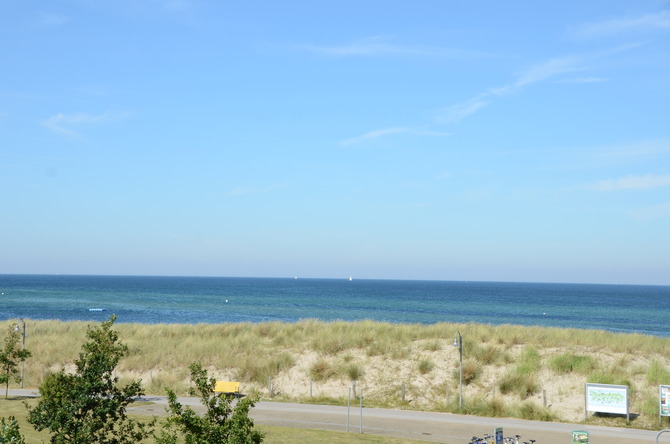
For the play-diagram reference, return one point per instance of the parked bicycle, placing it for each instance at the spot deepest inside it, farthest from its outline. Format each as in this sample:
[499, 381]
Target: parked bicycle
[489, 439]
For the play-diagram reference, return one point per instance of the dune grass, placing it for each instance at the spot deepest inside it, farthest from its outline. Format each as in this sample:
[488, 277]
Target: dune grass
[379, 356]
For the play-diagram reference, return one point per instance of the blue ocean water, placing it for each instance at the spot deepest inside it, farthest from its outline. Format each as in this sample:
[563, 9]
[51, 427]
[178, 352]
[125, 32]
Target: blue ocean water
[618, 308]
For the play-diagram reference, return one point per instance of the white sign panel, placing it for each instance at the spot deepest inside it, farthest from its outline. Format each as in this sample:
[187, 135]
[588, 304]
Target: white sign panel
[664, 402]
[606, 398]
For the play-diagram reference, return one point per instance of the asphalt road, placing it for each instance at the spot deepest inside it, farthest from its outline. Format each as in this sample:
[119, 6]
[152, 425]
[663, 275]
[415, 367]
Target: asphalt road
[426, 426]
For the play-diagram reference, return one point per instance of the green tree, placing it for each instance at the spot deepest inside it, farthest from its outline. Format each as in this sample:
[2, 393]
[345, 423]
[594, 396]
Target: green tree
[88, 406]
[10, 357]
[222, 422]
[10, 432]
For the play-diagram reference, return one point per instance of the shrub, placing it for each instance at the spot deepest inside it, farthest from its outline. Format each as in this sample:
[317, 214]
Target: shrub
[488, 354]
[530, 410]
[432, 346]
[471, 371]
[322, 370]
[657, 373]
[529, 361]
[494, 407]
[10, 432]
[569, 362]
[353, 371]
[221, 423]
[519, 383]
[425, 366]
[259, 368]
[10, 356]
[88, 406]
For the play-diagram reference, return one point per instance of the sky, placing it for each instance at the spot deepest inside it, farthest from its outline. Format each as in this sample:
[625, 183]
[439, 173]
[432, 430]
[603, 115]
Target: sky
[442, 140]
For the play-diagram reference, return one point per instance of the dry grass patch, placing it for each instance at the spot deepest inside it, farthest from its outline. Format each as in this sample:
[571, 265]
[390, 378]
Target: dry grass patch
[513, 362]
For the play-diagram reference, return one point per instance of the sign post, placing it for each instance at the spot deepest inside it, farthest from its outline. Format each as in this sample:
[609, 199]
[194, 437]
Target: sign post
[580, 437]
[498, 434]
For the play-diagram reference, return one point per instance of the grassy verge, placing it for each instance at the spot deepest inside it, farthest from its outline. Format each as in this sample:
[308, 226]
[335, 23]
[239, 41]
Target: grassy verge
[274, 435]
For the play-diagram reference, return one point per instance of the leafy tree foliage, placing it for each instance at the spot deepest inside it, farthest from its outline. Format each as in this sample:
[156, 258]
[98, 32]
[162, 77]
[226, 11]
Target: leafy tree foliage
[88, 406]
[10, 432]
[10, 357]
[222, 422]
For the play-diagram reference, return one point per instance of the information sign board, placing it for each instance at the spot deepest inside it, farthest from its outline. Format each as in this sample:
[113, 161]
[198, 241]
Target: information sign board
[498, 434]
[607, 398]
[664, 400]
[580, 437]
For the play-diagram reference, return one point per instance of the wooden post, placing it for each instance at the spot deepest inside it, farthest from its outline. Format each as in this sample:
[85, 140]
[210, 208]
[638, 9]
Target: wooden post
[544, 395]
[310, 387]
[361, 429]
[348, 408]
[403, 392]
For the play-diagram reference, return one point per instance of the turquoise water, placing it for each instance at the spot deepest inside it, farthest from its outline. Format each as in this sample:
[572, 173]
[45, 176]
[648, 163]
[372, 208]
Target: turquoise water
[619, 308]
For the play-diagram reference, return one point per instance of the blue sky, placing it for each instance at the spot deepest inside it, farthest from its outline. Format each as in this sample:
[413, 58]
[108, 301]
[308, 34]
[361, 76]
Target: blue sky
[481, 140]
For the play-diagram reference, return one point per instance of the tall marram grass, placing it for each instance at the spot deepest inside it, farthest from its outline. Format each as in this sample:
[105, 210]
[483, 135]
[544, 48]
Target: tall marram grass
[522, 379]
[513, 356]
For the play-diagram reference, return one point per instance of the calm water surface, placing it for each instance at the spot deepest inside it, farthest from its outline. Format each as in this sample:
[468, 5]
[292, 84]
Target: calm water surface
[619, 308]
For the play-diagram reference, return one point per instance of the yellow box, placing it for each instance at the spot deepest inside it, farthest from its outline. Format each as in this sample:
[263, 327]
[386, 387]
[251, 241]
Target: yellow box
[227, 387]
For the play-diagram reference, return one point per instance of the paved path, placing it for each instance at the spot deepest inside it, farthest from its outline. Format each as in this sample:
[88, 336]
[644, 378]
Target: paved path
[426, 426]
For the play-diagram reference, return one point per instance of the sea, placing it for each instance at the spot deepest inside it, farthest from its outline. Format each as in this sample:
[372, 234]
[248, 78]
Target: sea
[640, 309]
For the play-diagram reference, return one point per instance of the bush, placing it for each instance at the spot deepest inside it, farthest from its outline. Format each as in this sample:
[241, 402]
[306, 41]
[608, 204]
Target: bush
[353, 371]
[530, 410]
[569, 362]
[260, 368]
[488, 354]
[10, 432]
[471, 371]
[657, 373]
[494, 407]
[519, 383]
[10, 356]
[425, 366]
[221, 424]
[89, 406]
[322, 370]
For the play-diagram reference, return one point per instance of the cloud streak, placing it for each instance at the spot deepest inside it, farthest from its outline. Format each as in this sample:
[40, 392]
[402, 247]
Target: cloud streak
[67, 124]
[382, 47]
[645, 182]
[647, 22]
[376, 134]
[538, 73]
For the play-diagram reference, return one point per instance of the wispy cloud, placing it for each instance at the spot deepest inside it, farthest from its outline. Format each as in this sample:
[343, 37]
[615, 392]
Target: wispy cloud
[382, 46]
[654, 21]
[631, 183]
[389, 131]
[584, 80]
[661, 211]
[460, 111]
[68, 124]
[538, 73]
